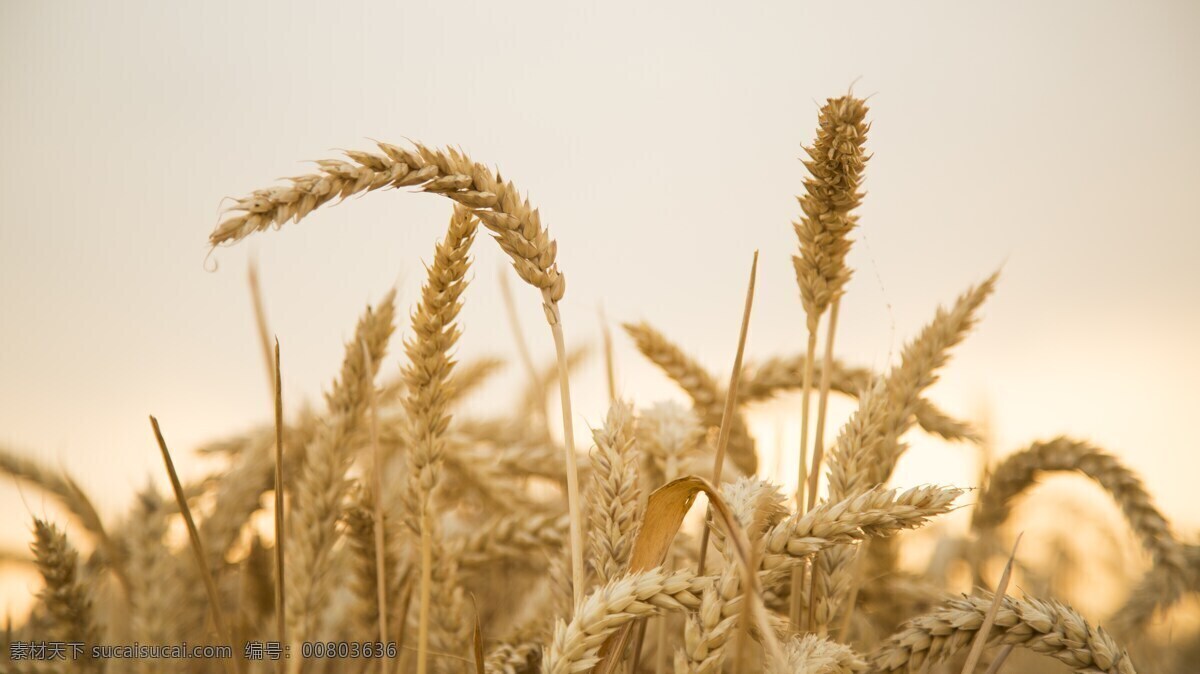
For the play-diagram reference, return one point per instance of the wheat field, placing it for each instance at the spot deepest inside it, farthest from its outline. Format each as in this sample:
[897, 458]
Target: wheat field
[385, 529]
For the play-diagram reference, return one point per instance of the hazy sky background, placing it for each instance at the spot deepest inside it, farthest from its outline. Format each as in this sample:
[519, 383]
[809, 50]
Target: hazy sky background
[660, 141]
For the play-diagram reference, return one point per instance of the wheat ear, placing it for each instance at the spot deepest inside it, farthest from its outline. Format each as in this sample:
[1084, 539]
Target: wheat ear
[763, 380]
[428, 376]
[811, 654]
[1045, 627]
[1020, 471]
[919, 364]
[668, 434]
[835, 163]
[756, 506]
[321, 486]
[71, 496]
[877, 512]
[157, 597]
[64, 596]
[522, 537]
[613, 499]
[575, 645]
[868, 455]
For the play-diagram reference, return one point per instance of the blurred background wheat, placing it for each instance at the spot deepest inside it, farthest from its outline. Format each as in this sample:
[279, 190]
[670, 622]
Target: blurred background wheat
[662, 143]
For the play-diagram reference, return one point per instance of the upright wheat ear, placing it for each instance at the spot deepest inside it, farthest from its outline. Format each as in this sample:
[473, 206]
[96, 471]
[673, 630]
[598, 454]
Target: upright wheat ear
[64, 596]
[428, 378]
[316, 503]
[836, 161]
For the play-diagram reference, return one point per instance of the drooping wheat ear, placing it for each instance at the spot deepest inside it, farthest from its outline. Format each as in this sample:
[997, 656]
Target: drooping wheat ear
[757, 506]
[1045, 627]
[835, 163]
[516, 225]
[576, 644]
[64, 597]
[498, 205]
[428, 381]
[322, 485]
[1020, 471]
[775, 375]
[875, 513]
[1159, 589]
[613, 508]
[668, 434]
[811, 654]
[707, 396]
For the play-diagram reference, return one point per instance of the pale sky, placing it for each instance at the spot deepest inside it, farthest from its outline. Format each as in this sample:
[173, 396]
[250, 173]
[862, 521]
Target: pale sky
[661, 142]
